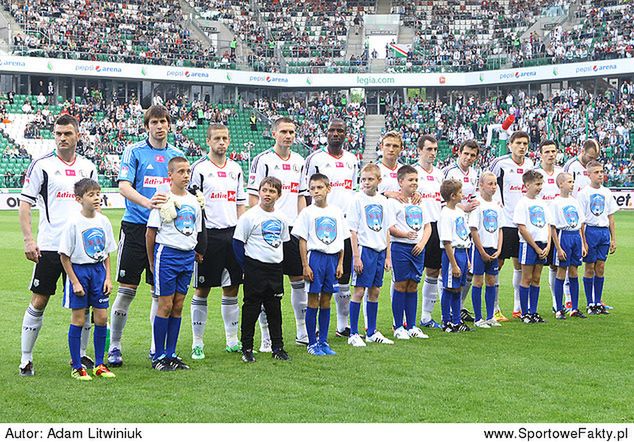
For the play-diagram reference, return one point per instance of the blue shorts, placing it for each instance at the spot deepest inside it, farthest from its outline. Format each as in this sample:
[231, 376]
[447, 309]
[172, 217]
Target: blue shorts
[598, 239]
[479, 266]
[528, 256]
[570, 241]
[324, 267]
[173, 270]
[91, 277]
[462, 258]
[405, 266]
[373, 268]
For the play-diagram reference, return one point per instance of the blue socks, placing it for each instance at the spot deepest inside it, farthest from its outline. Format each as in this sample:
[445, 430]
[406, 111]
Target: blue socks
[411, 302]
[534, 299]
[173, 328]
[489, 298]
[355, 308]
[160, 333]
[398, 305]
[324, 323]
[372, 309]
[524, 293]
[574, 292]
[456, 304]
[99, 338]
[588, 287]
[559, 293]
[311, 325]
[476, 300]
[445, 305]
[598, 289]
[74, 345]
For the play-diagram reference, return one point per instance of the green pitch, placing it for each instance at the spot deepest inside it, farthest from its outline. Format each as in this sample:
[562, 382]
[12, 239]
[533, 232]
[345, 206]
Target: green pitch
[568, 371]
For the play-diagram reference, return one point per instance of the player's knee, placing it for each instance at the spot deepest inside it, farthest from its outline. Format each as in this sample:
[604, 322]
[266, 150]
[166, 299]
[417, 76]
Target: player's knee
[39, 301]
[100, 316]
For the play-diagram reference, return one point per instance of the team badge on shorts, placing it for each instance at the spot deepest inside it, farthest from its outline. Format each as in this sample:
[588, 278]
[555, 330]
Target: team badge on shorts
[597, 204]
[571, 216]
[374, 217]
[490, 220]
[94, 240]
[461, 228]
[185, 220]
[272, 232]
[537, 216]
[326, 229]
[414, 217]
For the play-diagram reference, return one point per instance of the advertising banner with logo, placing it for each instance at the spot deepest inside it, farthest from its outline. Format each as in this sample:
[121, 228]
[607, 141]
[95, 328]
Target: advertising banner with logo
[48, 66]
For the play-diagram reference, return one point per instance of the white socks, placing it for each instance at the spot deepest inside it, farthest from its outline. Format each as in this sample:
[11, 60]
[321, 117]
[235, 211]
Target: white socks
[199, 320]
[299, 301]
[119, 315]
[465, 290]
[342, 299]
[430, 296]
[230, 316]
[264, 328]
[85, 334]
[552, 275]
[153, 310]
[31, 325]
[517, 278]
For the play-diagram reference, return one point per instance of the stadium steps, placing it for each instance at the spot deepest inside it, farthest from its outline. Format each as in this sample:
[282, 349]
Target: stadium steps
[15, 130]
[384, 6]
[374, 126]
[194, 27]
[406, 35]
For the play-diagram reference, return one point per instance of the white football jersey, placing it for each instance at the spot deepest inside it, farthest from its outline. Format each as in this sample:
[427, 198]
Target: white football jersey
[468, 179]
[263, 234]
[49, 184]
[550, 190]
[342, 173]
[510, 184]
[487, 218]
[567, 213]
[579, 173]
[452, 226]
[223, 188]
[87, 240]
[182, 232]
[370, 217]
[429, 188]
[323, 228]
[389, 180]
[288, 171]
[597, 205]
[407, 217]
[534, 214]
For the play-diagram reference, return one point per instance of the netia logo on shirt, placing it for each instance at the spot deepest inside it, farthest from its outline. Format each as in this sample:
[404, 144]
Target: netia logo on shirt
[597, 204]
[490, 220]
[414, 217]
[326, 229]
[185, 221]
[374, 217]
[571, 216]
[94, 241]
[272, 232]
[537, 216]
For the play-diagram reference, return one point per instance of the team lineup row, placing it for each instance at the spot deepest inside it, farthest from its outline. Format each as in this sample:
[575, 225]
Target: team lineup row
[394, 221]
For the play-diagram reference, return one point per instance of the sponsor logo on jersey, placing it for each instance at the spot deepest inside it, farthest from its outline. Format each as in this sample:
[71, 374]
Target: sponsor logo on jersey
[393, 175]
[272, 232]
[229, 195]
[70, 172]
[537, 216]
[338, 164]
[466, 179]
[159, 158]
[430, 178]
[346, 184]
[326, 229]
[597, 204]
[374, 217]
[222, 174]
[461, 228]
[551, 181]
[414, 217]
[490, 220]
[286, 166]
[65, 195]
[94, 240]
[292, 187]
[571, 216]
[185, 221]
[154, 181]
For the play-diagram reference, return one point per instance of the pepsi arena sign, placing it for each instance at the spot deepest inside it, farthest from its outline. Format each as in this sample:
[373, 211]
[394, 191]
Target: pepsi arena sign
[595, 68]
[518, 74]
[99, 69]
[268, 79]
[184, 73]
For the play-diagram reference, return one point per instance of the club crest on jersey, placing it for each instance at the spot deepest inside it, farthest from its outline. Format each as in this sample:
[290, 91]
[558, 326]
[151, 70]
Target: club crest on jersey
[125, 170]
[326, 229]
[490, 220]
[461, 228]
[94, 240]
[597, 204]
[185, 221]
[537, 216]
[571, 216]
[414, 217]
[272, 232]
[374, 216]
